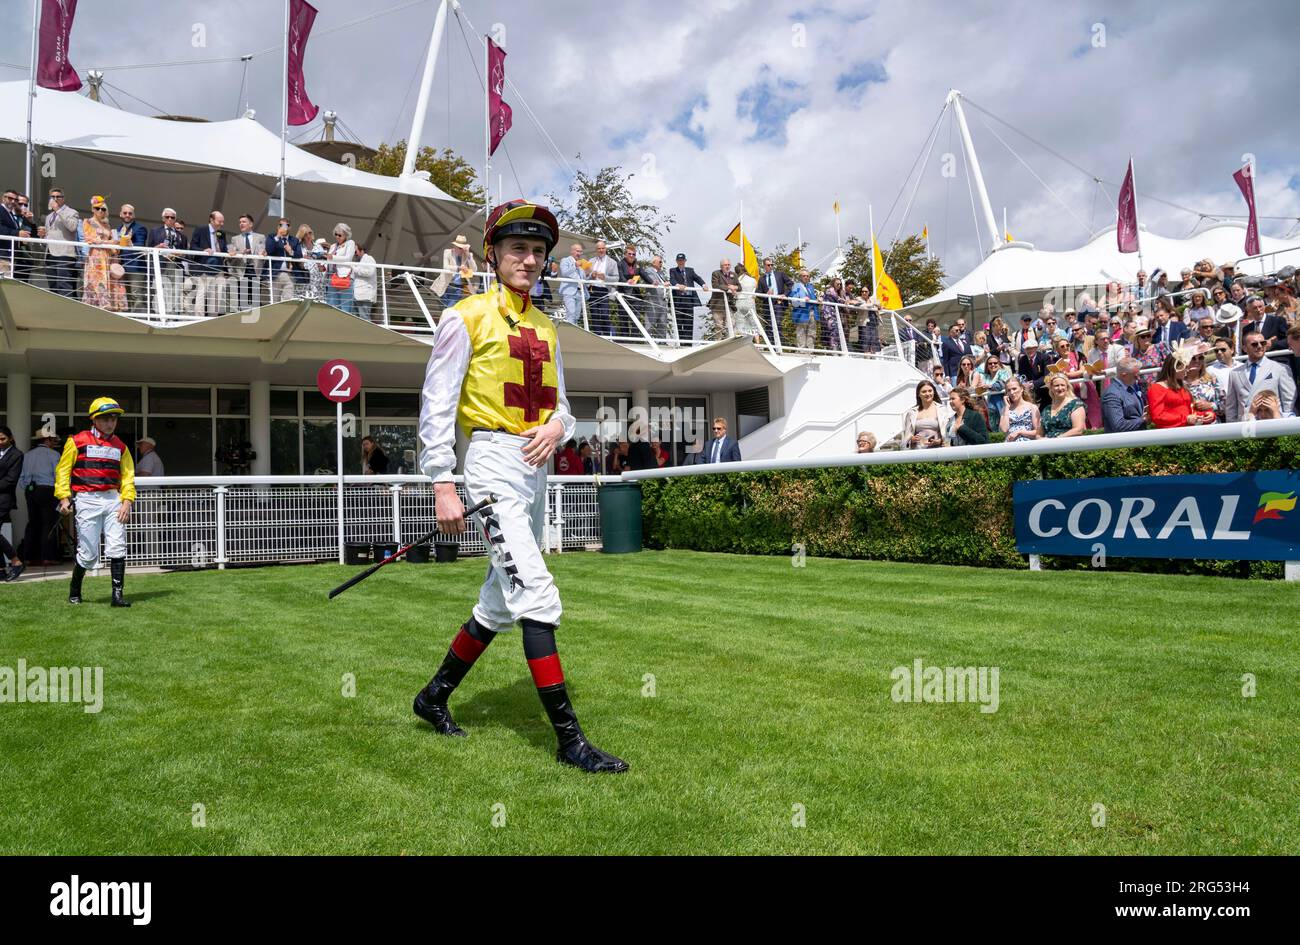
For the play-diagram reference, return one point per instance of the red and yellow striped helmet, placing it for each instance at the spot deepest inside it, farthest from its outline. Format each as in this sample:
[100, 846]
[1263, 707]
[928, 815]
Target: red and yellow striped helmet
[519, 217]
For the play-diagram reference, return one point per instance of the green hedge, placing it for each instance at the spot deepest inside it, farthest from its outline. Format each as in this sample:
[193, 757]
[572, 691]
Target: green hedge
[935, 513]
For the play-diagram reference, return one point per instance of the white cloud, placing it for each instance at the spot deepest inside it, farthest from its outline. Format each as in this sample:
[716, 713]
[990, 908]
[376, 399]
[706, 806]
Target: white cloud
[1185, 89]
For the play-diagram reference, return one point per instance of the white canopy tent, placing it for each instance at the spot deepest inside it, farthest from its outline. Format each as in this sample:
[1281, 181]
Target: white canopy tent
[1017, 277]
[231, 165]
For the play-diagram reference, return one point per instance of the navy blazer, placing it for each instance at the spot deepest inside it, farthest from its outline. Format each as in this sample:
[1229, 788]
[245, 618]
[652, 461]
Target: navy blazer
[289, 248]
[1177, 332]
[954, 349]
[1122, 409]
[201, 241]
[687, 278]
[132, 262]
[730, 452]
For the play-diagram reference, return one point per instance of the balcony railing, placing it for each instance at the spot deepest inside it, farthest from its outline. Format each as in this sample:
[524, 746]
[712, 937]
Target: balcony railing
[179, 286]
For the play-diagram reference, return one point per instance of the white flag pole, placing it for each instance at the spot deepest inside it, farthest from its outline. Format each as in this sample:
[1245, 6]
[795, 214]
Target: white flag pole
[31, 98]
[284, 112]
[1137, 229]
[871, 225]
[487, 130]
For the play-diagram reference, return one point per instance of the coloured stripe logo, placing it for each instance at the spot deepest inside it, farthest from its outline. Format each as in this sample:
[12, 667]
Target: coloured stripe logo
[1273, 504]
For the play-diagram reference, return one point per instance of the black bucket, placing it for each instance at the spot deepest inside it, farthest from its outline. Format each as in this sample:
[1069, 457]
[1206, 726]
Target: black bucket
[355, 552]
[418, 554]
[384, 550]
[444, 552]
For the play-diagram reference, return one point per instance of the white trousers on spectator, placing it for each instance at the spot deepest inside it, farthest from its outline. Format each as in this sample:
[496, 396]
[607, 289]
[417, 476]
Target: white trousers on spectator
[210, 298]
[283, 287]
[97, 515]
[518, 583]
[572, 307]
[173, 288]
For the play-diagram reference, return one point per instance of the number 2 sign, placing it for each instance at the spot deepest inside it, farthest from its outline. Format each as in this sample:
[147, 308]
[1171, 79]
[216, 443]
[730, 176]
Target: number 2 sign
[339, 381]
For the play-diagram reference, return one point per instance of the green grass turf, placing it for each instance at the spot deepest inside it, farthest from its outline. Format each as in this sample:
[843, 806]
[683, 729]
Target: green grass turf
[772, 690]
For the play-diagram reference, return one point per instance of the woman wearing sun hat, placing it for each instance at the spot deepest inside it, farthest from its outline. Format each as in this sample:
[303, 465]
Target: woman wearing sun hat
[100, 288]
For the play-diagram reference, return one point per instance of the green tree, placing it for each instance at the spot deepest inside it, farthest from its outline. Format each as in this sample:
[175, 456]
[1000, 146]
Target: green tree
[783, 259]
[603, 206]
[917, 276]
[448, 171]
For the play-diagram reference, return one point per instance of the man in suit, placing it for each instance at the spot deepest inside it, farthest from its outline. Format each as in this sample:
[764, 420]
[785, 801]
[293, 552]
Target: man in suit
[629, 272]
[136, 264]
[722, 448]
[11, 467]
[1031, 366]
[1258, 374]
[10, 227]
[246, 267]
[210, 268]
[282, 249]
[169, 236]
[955, 347]
[683, 280]
[1272, 326]
[656, 280]
[772, 281]
[725, 286]
[602, 273]
[63, 224]
[1123, 405]
[571, 288]
[1168, 331]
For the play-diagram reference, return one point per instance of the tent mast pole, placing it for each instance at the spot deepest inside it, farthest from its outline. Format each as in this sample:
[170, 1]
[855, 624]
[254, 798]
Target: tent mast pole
[426, 83]
[954, 99]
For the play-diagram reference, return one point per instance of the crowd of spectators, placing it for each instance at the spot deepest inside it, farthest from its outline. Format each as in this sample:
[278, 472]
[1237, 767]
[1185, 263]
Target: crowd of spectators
[1213, 347]
[202, 271]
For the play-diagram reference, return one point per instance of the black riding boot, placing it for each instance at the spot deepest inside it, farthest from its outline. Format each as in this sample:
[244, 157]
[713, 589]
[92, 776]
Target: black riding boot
[117, 568]
[431, 701]
[548, 677]
[74, 590]
[574, 749]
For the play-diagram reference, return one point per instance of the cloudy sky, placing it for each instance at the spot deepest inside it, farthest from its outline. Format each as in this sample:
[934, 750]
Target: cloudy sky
[785, 108]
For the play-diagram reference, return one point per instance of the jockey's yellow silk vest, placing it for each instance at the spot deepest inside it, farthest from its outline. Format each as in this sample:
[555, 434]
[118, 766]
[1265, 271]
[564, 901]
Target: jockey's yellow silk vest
[511, 383]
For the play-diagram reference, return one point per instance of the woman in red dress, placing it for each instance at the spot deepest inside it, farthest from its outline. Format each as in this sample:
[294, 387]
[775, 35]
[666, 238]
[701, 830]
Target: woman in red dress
[1170, 400]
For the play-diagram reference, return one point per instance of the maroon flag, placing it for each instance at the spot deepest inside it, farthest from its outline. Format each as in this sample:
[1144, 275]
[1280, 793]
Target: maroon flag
[301, 16]
[53, 71]
[1126, 228]
[1245, 179]
[499, 114]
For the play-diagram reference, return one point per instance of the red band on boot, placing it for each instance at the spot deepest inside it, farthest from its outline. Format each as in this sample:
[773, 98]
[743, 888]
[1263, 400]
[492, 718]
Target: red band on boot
[466, 647]
[546, 671]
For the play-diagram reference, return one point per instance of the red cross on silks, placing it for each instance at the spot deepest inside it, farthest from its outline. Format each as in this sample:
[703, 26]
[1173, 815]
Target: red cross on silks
[533, 394]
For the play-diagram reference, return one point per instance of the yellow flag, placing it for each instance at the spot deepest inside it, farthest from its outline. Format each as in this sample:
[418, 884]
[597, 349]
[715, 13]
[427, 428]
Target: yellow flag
[887, 293]
[796, 260]
[836, 207]
[1010, 238]
[747, 250]
[925, 232]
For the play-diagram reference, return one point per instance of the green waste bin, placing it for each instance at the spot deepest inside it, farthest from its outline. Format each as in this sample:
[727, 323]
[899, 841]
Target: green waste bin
[620, 517]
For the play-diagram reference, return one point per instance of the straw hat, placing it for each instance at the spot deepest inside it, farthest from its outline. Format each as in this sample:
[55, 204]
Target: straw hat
[460, 242]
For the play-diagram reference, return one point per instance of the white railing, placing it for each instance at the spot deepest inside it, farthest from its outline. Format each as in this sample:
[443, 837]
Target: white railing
[1251, 429]
[203, 521]
[174, 286]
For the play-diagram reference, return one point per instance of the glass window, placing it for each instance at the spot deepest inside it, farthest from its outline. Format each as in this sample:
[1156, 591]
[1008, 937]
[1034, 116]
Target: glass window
[584, 408]
[62, 425]
[127, 396]
[171, 400]
[50, 398]
[315, 405]
[284, 403]
[184, 444]
[387, 404]
[399, 443]
[284, 448]
[319, 450]
[233, 445]
[232, 400]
